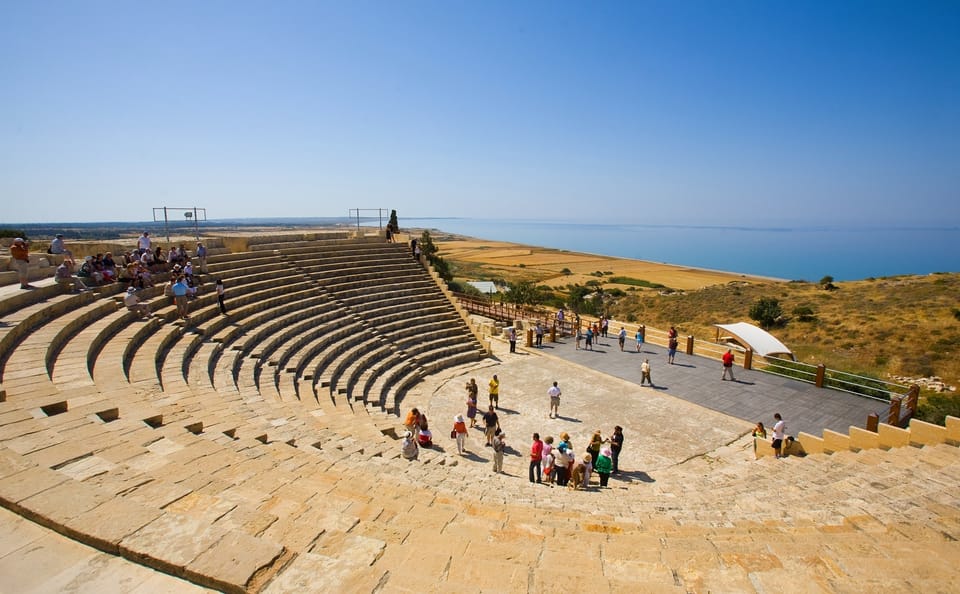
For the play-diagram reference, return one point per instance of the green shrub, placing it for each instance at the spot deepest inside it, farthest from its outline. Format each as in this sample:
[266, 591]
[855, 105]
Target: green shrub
[766, 312]
[636, 282]
[804, 313]
[935, 408]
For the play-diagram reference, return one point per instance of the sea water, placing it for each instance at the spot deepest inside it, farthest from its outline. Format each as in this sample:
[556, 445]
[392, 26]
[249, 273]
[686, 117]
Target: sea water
[793, 253]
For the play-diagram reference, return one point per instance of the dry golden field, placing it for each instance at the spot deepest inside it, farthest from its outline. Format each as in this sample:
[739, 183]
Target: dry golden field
[898, 325]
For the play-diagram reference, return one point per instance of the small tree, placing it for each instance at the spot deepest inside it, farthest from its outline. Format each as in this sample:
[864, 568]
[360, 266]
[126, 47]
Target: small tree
[429, 251]
[427, 247]
[523, 293]
[826, 283]
[767, 312]
[804, 313]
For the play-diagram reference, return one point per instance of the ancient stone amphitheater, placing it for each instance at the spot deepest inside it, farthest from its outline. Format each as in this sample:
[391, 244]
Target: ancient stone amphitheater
[258, 452]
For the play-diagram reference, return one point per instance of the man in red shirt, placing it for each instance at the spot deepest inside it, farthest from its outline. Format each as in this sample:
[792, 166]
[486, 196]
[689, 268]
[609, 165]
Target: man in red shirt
[727, 366]
[536, 452]
[21, 261]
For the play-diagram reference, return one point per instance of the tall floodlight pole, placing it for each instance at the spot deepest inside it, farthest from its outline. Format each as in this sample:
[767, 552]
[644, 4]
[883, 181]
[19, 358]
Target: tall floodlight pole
[166, 224]
[193, 213]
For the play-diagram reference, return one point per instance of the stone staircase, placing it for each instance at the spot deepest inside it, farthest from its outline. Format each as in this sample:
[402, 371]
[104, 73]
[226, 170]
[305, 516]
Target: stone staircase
[257, 452]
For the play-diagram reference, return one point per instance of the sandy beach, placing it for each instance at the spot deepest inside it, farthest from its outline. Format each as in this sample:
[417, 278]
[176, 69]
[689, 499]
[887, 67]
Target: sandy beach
[549, 267]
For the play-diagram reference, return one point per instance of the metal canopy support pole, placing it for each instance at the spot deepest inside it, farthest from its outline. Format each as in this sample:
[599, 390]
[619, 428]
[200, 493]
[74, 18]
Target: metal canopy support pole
[166, 224]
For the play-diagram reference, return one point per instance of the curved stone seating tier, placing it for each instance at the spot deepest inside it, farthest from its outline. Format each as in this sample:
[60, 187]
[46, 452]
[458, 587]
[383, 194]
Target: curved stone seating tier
[220, 336]
[326, 338]
[17, 325]
[213, 323]
[235, 345]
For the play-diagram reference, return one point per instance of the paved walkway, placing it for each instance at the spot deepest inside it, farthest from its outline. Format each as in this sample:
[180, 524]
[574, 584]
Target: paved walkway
[754, 396]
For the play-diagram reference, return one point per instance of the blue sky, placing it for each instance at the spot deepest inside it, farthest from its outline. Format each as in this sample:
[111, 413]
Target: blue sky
[722, 112]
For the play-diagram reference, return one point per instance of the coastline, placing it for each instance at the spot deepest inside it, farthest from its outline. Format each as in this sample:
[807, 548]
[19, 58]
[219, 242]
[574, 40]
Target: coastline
[503, 256]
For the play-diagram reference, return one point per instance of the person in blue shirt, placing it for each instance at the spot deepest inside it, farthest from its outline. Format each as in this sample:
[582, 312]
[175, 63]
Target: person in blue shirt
[180, 290]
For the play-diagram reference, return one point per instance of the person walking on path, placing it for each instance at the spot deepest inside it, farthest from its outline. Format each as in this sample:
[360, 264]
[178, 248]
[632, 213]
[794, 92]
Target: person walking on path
[536, 454]
[779, 428]
[645, 373]
[579, 336]
[491, 422]
[672, 345]
[20, 253]
[460, 433]
[554, 394]
[512, 337]
[616, 444]
[538, 331]
[589, 346]
[622, 337]
[494, 392]
[727, 366]
[639, 337]
[498, 446]
[604, 326]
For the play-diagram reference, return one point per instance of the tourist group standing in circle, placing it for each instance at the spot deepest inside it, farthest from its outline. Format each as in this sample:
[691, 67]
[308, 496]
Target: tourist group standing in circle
[548, 463]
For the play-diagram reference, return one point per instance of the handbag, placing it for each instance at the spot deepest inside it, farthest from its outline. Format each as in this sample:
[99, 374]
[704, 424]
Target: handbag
[453, 434]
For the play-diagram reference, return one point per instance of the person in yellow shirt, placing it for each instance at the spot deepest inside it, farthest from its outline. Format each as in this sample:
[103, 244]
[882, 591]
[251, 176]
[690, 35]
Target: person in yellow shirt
[495, 392]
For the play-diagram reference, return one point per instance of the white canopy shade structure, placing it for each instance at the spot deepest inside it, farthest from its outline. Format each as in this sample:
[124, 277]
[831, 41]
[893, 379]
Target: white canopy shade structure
[485, 287]
[756, 339]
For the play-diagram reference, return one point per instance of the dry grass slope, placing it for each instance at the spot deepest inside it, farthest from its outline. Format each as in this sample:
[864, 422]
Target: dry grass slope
[901, 325]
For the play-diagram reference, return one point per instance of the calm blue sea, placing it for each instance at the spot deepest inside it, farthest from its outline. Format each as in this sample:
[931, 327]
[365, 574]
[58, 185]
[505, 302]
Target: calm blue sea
[794, 253]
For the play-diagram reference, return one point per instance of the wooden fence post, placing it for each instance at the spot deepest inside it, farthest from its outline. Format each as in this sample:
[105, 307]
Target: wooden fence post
[912, 397]
[748, 359]
[873, 422]
[893, 414]
[643, 332]
[690, 344]
[821, 373]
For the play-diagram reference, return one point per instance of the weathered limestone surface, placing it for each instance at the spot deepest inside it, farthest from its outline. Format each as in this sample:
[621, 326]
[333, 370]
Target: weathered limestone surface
[208, 469]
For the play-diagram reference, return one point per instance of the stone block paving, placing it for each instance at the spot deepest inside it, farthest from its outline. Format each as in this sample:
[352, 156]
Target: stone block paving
[754, 396]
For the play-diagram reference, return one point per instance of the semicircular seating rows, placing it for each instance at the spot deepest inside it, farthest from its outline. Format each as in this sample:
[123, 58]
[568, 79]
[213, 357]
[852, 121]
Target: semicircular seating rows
[257, 451]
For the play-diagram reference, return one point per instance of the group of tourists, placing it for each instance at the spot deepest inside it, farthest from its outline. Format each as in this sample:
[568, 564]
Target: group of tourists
[560, 464]
[551, 464]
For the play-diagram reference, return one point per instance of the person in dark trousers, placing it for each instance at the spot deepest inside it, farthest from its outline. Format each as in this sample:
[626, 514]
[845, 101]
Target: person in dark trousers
[536, 454]
[223, 308]
[616, 444]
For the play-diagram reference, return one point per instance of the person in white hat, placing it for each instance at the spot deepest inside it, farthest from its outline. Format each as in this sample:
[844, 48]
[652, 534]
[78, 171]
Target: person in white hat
[409, 448]
[459, 432]
[133, 303]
